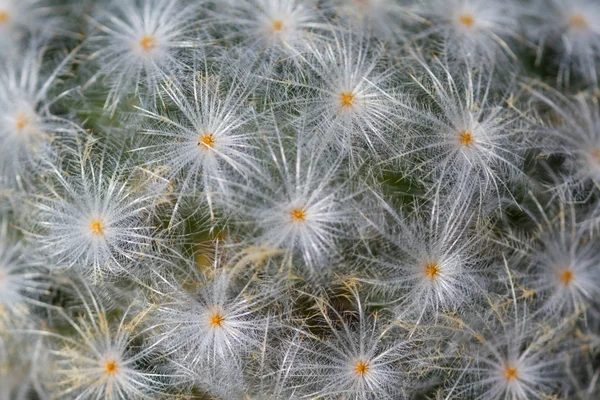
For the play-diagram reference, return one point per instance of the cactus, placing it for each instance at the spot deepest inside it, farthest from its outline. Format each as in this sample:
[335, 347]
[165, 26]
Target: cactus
[299, 199]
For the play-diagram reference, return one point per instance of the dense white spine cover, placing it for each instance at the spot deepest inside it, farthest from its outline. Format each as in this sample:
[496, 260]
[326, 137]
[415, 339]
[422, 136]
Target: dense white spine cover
[299, 199]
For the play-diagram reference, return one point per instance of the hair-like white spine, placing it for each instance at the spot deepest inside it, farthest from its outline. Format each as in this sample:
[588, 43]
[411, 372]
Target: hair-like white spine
[358, 356]
[563, 261]
[90, 217]
[383, 19]
[102, 359]
[466, 137]
[507, 354]
[137, 45]
[572, 130]
[570, 28]
[297, 201]
[433, 261]
[209, 332]
[20, 19]
[27, 126]
[276, 27]
[209, 134]
[20, 281]
[479, 30]
[346, 94]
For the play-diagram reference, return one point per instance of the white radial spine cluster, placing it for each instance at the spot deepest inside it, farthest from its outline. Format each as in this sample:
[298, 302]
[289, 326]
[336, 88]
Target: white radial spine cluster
[299, 199]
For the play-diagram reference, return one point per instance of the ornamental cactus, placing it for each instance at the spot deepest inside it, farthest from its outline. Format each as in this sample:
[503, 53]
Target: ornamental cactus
[299, 199]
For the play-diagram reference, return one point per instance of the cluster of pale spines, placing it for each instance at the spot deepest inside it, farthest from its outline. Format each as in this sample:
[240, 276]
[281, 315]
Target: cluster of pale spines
[298, 199]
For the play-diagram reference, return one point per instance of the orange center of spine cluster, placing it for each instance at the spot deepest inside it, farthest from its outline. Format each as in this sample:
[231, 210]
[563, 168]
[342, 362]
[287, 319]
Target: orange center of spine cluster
[566, 276]
[3, 16]
[147, 43]
[96, 227]
[298, 215]
[596, 156]
[466, 138]
[347, 99]
[277, 25]
[432, 270]
[510, 373]
[207, 140]
[578, 21]
[21, 121]
[467, 20]
[216, 320]
[110, 367]
[361, 368]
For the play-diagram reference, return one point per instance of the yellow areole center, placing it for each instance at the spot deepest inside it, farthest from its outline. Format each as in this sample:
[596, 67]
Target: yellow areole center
[96, 227]
[347, 99]
[361, 368]
[147, 43]
[216, 320]
[467, 20]
[465, 138]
